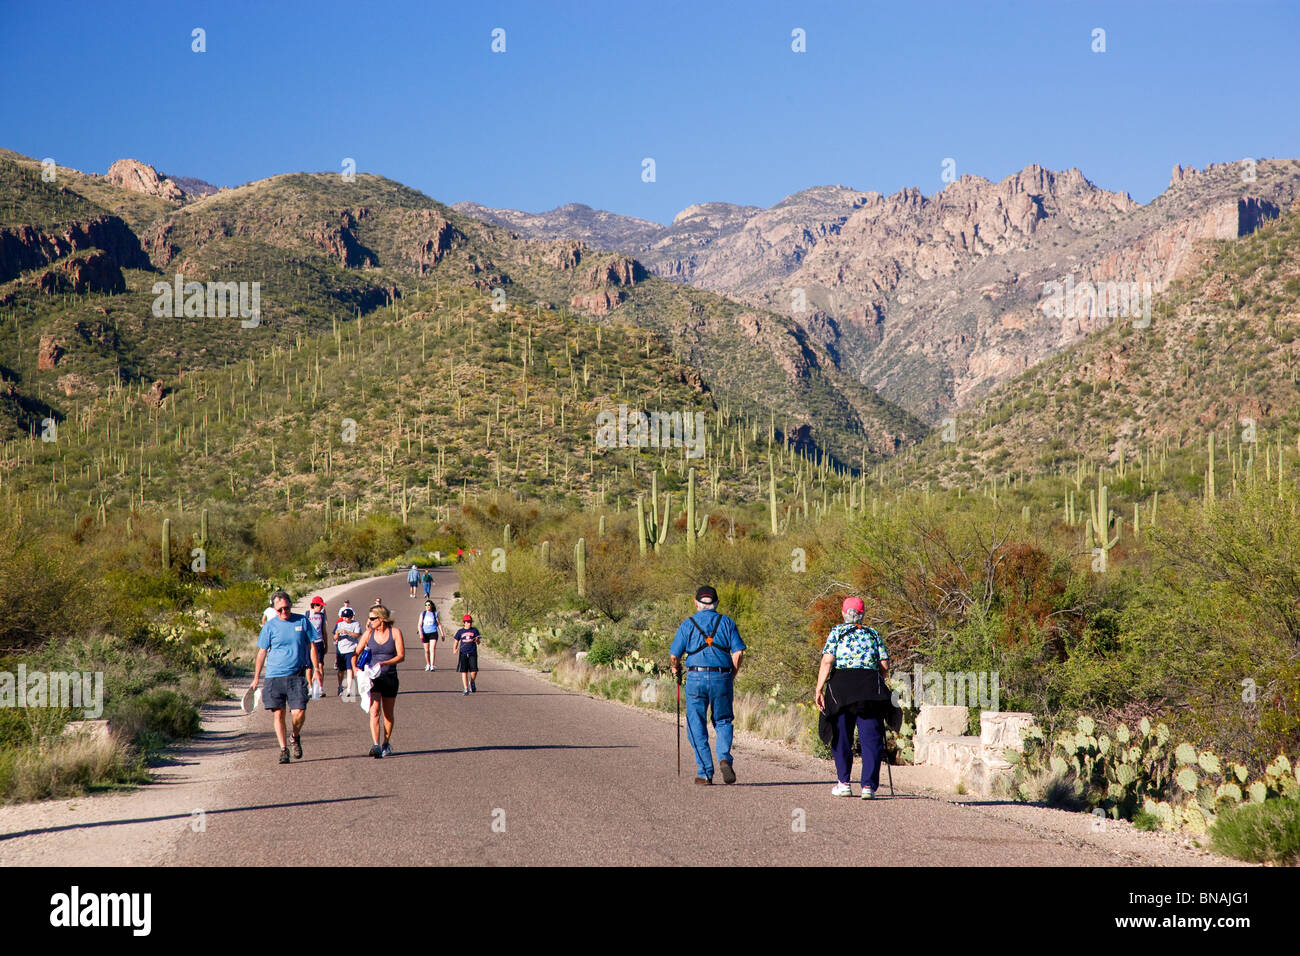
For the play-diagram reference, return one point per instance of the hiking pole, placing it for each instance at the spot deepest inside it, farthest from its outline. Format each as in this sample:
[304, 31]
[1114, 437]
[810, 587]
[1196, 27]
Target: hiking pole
[679, 723]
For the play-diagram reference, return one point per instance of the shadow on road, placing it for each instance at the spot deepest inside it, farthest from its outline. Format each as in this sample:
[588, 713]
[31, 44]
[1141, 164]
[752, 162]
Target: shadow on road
[470, 750]
[187, 816]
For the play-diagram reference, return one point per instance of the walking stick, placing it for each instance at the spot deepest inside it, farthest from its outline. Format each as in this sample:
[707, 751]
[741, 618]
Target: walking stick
[679, 723]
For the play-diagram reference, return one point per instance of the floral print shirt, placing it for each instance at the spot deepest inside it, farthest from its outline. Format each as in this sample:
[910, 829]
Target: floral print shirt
[856, 646]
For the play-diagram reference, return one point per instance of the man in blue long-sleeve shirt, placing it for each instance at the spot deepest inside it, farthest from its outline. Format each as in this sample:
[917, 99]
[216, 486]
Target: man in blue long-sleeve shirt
[714, 650]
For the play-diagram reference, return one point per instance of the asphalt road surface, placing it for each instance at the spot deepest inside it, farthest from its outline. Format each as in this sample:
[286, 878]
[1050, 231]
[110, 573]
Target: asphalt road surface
[523, 772]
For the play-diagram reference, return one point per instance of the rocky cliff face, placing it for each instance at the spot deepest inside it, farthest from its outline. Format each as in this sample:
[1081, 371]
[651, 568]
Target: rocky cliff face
[29, 247]
[140, 177]
[932, 300]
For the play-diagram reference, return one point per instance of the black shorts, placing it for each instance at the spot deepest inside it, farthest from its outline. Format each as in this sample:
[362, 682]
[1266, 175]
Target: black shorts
[467, 663]
[291, 690]
[426, 638]
[385, 685]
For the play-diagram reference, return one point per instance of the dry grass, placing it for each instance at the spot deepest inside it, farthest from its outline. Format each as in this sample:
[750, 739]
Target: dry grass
[65, 767]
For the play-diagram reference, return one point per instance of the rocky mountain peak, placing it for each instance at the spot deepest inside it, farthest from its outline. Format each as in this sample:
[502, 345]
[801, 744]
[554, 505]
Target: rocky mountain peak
[142, 178]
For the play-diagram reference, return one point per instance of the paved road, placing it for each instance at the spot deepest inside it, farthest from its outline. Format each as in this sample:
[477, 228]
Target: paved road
[526, 773]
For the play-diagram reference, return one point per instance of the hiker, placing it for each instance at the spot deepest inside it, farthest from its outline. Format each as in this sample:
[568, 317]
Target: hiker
[430, 632]
[346, 632]
[316, 679]
[387, 650]
[851, 689]
[269, 612]
[714, 651]
[460, 555]
[285, 647]
[427, 579]
[467, 641]
[412, 579]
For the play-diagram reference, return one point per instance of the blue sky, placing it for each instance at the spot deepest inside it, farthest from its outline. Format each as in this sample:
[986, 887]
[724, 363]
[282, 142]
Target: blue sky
[711, 91]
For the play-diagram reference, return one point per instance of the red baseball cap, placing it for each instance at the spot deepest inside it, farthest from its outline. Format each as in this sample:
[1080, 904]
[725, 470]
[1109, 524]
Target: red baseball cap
[318, 600]
[854, 604]
[467, 618]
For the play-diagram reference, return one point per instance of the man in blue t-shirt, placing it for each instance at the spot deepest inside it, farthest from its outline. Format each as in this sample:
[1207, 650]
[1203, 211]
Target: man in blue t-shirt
[714, 650]
[286, 647]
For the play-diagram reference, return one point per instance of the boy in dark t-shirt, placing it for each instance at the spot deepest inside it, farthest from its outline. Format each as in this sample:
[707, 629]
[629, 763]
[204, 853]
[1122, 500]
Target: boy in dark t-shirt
[467, 641]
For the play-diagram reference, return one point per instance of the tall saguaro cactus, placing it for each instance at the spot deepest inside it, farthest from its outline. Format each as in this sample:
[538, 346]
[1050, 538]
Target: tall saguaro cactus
[1098, 530]
[167, 543]
[580, 560]
[653, 526]
[771, 496]
[692, 531]
[1209, 474]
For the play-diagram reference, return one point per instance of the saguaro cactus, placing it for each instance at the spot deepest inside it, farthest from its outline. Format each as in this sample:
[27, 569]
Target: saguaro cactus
[203, 526]
[167, 543]
[546, 553]
[771, 496]
[1098, 530]
[580, 560]
[692, 530]
[654, 526]
[1209, 474]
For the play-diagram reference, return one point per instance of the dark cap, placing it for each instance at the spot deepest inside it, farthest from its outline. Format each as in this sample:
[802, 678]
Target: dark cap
[707, 595]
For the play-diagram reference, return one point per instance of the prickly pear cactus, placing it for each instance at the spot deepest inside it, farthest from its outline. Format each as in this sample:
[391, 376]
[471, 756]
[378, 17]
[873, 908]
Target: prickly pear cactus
[1257, 792]
[1185, 754]
[1187, 779]
[1121, 734]
[1193, 818]
[1227, 795]
[1209, 762]
[1085, 725]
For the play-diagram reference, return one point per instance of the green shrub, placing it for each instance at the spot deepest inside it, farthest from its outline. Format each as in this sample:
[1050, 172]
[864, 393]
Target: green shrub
[156, 717]
[1267, 832]
[1142, 820]
[608, 646]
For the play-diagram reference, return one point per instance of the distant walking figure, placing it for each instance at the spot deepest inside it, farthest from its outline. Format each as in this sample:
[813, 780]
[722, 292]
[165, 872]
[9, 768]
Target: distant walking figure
[711, 643]
[467, 641]
[413, 579]
[386, 650]
[851, 690]
[285, 647]
[430, 632]
[427, 579]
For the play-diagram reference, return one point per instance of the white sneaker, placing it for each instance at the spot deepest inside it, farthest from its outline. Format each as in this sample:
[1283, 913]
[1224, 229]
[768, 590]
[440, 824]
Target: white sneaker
[868, 794]
[841, 790]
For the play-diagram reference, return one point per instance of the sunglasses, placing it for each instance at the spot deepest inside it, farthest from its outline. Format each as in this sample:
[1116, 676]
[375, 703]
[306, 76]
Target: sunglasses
[374, 619]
